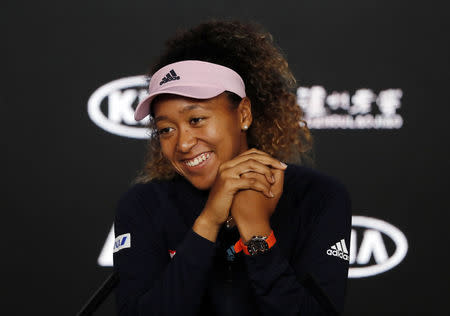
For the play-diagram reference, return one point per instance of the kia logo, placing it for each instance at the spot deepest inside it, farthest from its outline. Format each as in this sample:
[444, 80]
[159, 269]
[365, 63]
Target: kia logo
[375, 247]
[111, 107]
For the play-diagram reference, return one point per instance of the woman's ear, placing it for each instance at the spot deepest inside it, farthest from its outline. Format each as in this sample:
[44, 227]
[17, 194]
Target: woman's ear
[245, 113]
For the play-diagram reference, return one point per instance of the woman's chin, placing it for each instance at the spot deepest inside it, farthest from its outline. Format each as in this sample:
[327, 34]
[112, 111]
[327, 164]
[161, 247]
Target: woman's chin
[201, 183]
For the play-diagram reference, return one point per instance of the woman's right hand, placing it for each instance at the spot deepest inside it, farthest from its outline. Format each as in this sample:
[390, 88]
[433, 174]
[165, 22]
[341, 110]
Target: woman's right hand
[229, 181]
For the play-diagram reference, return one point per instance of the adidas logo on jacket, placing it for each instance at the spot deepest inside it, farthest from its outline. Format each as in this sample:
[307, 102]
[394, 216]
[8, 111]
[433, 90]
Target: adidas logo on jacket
[339, 250]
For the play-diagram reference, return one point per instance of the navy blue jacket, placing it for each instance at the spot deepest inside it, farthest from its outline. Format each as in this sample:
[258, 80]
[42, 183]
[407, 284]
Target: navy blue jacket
[165, 268]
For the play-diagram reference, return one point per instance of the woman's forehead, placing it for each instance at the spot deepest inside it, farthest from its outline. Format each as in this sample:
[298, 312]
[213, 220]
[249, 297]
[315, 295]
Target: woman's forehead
[170, 104]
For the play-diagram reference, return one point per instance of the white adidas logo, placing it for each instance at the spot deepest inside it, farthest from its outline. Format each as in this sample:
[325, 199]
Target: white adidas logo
[339, 250]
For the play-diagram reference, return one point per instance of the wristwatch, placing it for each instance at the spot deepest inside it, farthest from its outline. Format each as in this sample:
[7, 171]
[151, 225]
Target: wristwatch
[256, 245]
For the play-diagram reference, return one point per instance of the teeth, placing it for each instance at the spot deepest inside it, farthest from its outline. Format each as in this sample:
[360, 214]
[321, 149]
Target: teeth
[197, 160]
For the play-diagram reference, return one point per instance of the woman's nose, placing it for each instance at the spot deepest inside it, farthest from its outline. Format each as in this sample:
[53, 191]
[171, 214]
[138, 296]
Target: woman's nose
[186, 141]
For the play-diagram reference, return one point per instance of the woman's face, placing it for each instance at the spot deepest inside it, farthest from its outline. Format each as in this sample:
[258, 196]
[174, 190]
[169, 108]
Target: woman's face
[197, 136]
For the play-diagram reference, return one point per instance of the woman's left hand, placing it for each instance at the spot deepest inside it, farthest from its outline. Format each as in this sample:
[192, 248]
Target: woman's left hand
[251, 210]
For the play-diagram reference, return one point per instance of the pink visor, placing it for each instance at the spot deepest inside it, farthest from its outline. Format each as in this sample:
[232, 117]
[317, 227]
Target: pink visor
[191, 78]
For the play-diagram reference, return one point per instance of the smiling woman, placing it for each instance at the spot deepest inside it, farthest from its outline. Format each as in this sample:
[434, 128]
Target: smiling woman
[217, 223]
[197, 136]
[253, 59]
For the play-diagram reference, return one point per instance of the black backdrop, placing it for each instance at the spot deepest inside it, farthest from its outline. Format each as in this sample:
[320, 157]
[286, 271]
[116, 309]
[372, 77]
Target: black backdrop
[63, 174]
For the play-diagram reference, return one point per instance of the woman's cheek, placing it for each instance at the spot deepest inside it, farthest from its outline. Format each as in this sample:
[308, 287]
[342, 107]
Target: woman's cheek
[212, 134]
[166, 149]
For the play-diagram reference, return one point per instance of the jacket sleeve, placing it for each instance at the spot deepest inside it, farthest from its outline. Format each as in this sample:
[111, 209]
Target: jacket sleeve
[150, 282]
[312, 282]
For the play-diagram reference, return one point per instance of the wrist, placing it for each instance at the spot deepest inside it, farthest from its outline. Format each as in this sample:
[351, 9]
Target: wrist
[255, 229]
[256, 245]
[206, 228]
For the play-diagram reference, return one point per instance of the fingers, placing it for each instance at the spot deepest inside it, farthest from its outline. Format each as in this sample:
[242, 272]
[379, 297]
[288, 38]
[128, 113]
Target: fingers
[277, 187]
[262, 179]
[256, 155]
[253, 183]
[251, 170]
[275, 163]
[252, 166]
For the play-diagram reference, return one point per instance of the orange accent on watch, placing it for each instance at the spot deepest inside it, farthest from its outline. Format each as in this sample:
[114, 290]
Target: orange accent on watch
[240, 246]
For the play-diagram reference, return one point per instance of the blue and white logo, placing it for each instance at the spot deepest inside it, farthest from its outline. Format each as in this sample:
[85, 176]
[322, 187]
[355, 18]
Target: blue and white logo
[122, 242]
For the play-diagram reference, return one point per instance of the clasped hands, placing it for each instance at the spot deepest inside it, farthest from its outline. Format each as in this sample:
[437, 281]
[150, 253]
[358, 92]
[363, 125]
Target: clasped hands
[249, 187]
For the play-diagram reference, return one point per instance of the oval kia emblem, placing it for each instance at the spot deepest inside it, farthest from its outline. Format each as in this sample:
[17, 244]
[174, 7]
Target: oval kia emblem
[111, 107]
[375, 247]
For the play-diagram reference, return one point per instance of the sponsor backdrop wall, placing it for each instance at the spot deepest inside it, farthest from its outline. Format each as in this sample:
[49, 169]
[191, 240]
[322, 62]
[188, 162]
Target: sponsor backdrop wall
[373, 82]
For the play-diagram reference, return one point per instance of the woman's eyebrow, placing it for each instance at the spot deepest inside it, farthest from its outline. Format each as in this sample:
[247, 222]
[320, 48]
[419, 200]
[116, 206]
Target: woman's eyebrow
[160, 118]
[190, 108]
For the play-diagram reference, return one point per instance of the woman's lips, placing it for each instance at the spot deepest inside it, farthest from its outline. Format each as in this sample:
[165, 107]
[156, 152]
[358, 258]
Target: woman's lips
[197, 162]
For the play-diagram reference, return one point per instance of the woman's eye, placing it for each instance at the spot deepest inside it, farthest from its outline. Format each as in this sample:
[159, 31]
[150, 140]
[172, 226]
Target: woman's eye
[163, 131]
[196, 120]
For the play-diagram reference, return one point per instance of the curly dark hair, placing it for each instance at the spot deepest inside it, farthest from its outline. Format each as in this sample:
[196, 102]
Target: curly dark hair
[278, 127]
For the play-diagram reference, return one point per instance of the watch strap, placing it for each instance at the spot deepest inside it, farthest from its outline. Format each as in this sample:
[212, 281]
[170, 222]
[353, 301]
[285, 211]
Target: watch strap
[240, 245]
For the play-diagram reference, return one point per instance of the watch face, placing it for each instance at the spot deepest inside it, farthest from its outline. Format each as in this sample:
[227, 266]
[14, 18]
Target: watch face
[256, 246]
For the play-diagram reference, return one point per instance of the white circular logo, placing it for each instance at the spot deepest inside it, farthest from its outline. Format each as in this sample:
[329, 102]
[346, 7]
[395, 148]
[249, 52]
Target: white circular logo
[372, 247]
[118, 98]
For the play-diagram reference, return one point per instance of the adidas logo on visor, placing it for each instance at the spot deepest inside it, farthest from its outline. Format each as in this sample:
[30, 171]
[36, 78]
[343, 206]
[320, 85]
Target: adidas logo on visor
[339, 250]
[172, 75]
